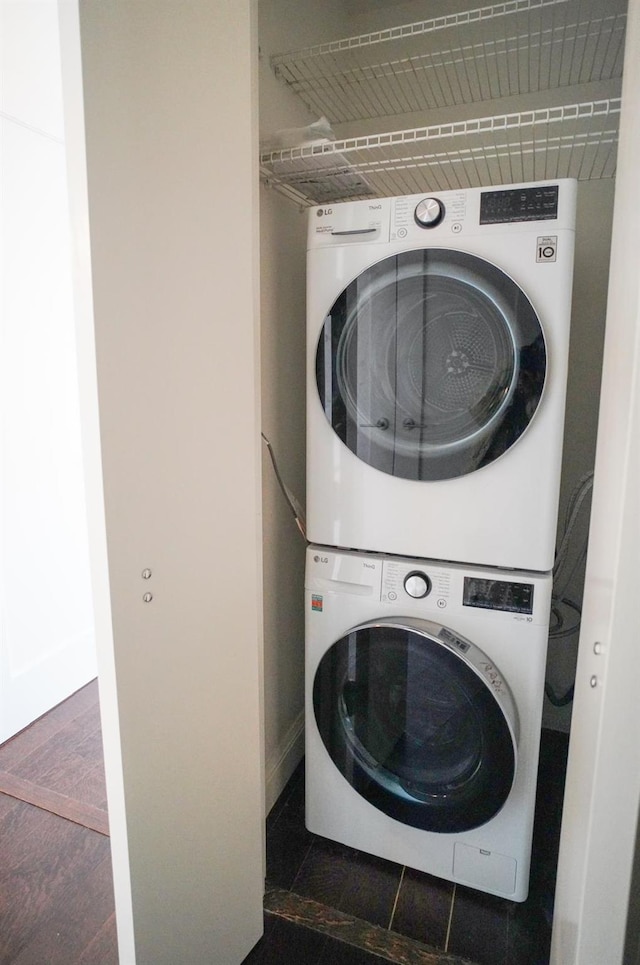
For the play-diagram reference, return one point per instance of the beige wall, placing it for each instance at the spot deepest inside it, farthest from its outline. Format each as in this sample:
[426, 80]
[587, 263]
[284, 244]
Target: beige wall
[283, 422]
[282, 271]
[171, 146]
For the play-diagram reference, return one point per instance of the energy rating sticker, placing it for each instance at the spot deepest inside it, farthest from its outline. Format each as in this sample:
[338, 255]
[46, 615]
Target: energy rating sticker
[547, 249]
[316, 602]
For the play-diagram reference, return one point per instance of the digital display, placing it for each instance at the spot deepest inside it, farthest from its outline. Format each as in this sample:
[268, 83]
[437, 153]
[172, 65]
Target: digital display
[519, 204]
[498, 595]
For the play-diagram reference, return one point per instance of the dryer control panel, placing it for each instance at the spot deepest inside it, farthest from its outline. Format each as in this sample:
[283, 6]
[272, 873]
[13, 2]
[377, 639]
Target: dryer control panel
[519, 204]
[444, 218]
[414, 216]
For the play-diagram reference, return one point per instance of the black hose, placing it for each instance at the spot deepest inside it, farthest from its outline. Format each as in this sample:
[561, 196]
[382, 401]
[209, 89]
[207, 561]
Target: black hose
[553, 698]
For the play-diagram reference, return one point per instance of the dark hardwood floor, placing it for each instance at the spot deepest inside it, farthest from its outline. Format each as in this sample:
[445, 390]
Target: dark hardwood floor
[56, 887]
[325, 904]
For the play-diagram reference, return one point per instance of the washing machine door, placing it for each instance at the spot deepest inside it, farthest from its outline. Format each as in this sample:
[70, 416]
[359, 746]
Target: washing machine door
[431, 364]
[420, 722]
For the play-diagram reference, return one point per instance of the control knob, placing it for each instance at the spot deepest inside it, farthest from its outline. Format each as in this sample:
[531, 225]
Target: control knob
[429, 213]
[417, 584]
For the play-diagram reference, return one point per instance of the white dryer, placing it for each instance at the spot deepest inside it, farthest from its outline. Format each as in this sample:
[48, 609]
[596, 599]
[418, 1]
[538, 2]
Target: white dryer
[424, 692]
[437, 348]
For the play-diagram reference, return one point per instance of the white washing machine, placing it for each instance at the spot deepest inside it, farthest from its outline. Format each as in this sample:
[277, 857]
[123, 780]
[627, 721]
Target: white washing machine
[424, 692]
[438, 338]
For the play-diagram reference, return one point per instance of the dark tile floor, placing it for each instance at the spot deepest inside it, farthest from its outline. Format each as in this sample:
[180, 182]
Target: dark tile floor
[442, 922]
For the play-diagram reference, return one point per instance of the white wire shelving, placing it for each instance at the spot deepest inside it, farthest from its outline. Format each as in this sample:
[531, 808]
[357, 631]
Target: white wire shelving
[506, 49]
[481, 56]
[574, 140]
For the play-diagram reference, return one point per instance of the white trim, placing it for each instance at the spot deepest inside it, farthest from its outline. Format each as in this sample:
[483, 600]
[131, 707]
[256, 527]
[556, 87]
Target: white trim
[603, 778]
[73, 99]
[284, 761]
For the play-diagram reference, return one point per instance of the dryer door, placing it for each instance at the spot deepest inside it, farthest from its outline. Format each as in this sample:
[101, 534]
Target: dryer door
[430, 364]
[420, 722]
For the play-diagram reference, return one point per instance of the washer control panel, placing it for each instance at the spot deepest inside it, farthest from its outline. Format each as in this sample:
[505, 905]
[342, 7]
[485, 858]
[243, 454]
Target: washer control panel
[434, 587]
[508, 595]
[434, 590]
[413, 581]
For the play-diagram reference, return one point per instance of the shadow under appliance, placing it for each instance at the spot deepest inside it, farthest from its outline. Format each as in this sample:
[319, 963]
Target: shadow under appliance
[424, 693]
[437, 348]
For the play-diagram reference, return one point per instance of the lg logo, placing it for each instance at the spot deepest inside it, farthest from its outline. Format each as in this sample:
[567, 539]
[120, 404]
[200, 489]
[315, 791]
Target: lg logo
[320, 559]
[322, 211]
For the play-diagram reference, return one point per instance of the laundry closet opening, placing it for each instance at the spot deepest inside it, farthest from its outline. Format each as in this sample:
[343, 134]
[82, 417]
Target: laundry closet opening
[363, 101]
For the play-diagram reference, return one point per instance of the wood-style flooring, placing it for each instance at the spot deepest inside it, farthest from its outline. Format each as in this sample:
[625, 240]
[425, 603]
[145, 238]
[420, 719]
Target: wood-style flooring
[325, 904]
[56, 887]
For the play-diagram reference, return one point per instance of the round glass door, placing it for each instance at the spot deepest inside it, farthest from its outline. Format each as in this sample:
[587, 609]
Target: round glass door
[430, 364]
[414, 728]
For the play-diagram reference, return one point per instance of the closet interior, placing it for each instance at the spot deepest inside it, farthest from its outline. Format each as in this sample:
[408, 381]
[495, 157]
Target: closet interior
[424, 97]
[377, 98]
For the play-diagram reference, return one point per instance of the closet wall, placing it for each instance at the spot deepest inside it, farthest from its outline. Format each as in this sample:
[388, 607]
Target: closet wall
[282, 269]
[286, 26]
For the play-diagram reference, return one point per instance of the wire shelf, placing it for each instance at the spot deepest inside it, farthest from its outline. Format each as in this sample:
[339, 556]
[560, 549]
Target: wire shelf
[510, 48]
[574, 140]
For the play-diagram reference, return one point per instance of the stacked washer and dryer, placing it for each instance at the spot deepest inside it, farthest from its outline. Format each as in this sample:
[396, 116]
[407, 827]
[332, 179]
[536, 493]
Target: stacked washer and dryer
[438, 338]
